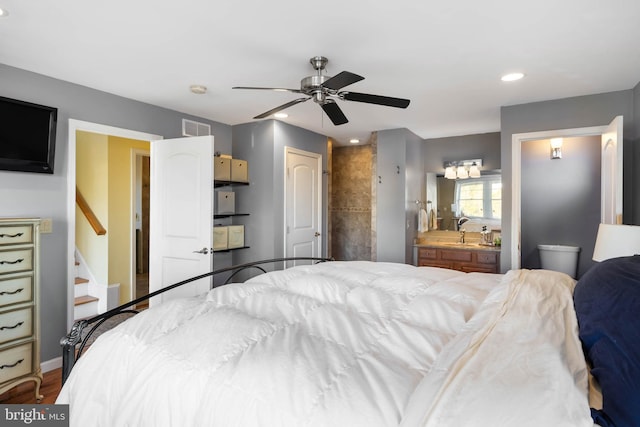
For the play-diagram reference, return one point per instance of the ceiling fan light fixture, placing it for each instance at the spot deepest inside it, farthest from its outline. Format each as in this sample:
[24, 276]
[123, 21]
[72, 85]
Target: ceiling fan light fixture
[512, 77]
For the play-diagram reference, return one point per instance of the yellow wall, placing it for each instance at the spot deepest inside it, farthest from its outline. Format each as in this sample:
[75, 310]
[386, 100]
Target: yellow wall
[120, 211]
[91, 170]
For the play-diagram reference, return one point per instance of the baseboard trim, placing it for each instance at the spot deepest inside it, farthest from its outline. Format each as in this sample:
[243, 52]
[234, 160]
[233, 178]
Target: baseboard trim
[50, 365]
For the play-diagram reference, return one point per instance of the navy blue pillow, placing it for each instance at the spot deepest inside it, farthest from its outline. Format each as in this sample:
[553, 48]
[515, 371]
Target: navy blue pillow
[607, 302]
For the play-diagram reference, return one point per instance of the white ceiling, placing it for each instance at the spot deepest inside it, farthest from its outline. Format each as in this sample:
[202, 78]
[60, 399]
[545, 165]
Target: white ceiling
[446, 56]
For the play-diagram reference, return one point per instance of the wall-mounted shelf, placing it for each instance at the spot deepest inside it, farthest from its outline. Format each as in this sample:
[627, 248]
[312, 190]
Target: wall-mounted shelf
[217, 183]
[218, 216]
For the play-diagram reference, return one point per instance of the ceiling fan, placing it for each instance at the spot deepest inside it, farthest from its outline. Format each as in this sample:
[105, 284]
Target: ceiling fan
[322, 89]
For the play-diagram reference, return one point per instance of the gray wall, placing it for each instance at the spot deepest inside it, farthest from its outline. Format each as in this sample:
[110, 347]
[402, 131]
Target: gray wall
[390, 196]
[262, 144]
[560, 198]
[41, 195]
[400, 173]
[485, 146]
[415, 189]
[568, 113]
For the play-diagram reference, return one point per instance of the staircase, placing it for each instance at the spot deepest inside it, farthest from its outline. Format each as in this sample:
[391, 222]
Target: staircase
[91, 298]
[85, 305]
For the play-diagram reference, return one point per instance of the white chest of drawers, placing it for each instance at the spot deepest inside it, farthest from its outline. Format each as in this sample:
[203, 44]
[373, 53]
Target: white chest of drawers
[19, 298]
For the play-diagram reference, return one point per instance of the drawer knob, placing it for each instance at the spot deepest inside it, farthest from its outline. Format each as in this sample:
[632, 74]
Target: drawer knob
[2, 328]
[11, 366]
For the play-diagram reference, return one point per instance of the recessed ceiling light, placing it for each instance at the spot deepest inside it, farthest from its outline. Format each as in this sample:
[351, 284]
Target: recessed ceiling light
[354, 140]
[198, 89]
[512, 77]
[281, 115]
[3, 12]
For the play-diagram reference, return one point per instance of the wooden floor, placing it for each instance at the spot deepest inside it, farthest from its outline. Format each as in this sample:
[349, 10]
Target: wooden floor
[25, 392]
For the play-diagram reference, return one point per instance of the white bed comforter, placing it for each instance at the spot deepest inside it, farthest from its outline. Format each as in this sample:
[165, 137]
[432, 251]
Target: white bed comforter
[344, 344]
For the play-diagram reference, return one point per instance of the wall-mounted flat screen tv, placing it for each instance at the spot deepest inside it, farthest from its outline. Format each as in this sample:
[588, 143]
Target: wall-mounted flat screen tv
[27, 136]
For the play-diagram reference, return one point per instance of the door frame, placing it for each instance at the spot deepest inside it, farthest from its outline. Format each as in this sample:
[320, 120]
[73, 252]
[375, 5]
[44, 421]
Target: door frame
[74, 126]
[318, 157]
[135, 154]
[517, 139]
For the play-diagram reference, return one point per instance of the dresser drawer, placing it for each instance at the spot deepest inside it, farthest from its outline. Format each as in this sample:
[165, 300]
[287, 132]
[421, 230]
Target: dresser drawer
[15, 260]
[15, 234]
[15, 290]
[15, 324]
[15, 362]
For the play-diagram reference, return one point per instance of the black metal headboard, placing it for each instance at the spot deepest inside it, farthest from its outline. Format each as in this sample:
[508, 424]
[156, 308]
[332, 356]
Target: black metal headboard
[74, 343]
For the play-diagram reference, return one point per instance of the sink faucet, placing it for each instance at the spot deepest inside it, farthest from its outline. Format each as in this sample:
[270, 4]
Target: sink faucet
[462, 220]
[462, 235]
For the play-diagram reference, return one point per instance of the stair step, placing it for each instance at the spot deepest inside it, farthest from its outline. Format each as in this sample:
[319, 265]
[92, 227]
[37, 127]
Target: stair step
[81, 280]
[85, 299]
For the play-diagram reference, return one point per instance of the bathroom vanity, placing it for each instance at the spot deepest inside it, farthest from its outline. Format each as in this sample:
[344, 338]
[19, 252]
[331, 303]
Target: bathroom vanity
[465, 257]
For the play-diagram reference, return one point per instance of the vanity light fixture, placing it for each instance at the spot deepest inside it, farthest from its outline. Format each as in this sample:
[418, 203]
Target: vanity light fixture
[450, 172]
[556, 148]
[474, 170]
[462, 169]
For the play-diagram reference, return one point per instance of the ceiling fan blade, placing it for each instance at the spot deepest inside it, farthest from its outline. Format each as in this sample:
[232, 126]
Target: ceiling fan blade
[277, 89]
[281, 107]
[341, 80]
[334, 112]
[375, 99]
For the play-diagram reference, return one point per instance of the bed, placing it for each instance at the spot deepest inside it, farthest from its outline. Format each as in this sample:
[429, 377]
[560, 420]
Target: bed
[352, 343]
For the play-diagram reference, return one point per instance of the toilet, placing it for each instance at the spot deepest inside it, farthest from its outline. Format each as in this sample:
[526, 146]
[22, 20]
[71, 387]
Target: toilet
[559, 258]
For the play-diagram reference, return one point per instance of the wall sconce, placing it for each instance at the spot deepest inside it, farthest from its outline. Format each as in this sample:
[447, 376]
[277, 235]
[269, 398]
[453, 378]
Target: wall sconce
[556, 148]
[462, 169]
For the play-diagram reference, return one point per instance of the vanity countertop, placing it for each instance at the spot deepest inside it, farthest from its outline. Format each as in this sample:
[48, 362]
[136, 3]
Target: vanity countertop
[476, 246]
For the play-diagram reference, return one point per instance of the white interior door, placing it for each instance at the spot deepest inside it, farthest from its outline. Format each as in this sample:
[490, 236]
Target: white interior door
[181, 218]
[611, 212]
[303, 200]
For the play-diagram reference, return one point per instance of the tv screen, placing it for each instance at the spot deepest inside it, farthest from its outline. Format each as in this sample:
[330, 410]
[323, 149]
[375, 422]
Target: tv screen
[27, 136]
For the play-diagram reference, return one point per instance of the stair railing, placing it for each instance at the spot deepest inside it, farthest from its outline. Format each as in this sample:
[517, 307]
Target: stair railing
[88, 213]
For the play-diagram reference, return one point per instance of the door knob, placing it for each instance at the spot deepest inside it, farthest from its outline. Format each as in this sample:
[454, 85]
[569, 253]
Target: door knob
[203, 251]
[317, 234]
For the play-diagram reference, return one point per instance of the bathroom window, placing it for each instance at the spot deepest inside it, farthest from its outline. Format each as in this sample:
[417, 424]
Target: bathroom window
[479, 197]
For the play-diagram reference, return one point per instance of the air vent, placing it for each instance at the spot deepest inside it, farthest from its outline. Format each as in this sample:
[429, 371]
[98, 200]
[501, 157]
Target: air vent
[193, 128]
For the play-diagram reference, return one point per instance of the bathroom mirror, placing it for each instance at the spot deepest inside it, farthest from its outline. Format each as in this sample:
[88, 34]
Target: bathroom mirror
[480, 195]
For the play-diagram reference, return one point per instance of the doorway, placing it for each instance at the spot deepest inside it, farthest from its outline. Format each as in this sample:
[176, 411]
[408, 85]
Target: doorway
[612, 169]
[76, 126]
